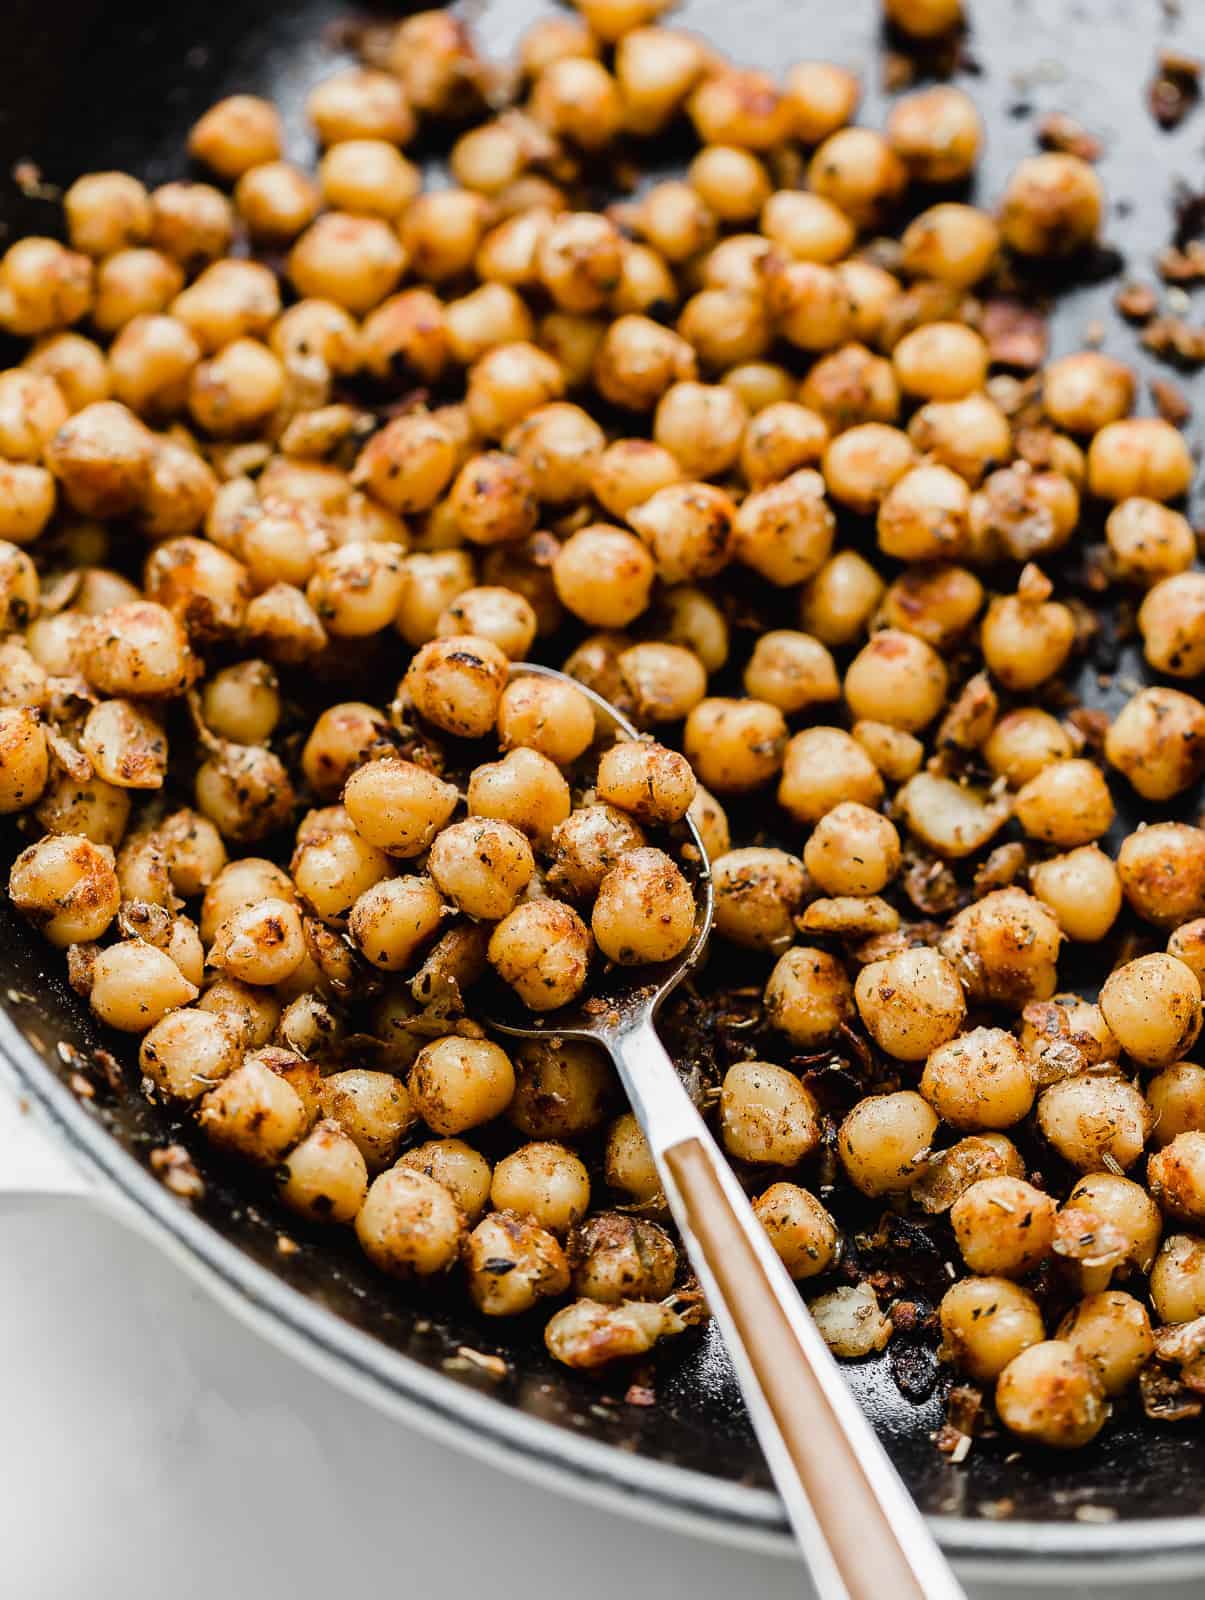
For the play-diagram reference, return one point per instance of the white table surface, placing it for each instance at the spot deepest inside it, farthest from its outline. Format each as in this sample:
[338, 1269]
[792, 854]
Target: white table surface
[154, 1449]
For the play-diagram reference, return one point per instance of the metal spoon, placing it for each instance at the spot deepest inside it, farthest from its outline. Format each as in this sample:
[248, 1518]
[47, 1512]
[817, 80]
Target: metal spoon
[861, 1534]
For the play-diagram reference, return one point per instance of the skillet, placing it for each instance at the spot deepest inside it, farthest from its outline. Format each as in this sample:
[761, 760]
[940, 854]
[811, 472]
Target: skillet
[100, 83]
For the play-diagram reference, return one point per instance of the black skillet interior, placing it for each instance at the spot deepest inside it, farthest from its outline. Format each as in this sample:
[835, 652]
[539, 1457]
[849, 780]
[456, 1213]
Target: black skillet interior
[95, 83]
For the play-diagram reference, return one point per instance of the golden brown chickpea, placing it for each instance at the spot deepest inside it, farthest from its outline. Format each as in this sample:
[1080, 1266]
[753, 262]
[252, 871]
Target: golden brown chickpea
[941, 361]
[735, 745]
[1158, 741]
[1178, 1279]
[924, 516]
[134, 283]
[1148, 541]
[852, 850]
[858, 171]
[579, 100]
[1025, 742]
[1083, 890]
[587, 845]
[578, 260]
[955, 244]
[262, 944]
[561, 447]
[1177, 1100]
[800, 1229]
[1153, 1005]
[638, 361]
[898, 679]
[512, 1264]
[727, 328]
[78, 367]
[1187, 944]
[191, 222]
[151, 362]
[1086, 391]
[368, 177]
[524, 789]
[896, 754]
[702, 426]
[125, 745]
[937, 604]
[807, 226]
[94, 809]
[499, 615]
[464, 1173]
[1026, 637]
[1094, 1121]
[808, 996]
[356, 589]
[102, 458]
[1162, 869]
[394, 919]
[821, 768]
[32, 410]
[837, 603]
[482, 866]
[276, 200]
[936, 133]
[433, 580]
[67, 887]
[604, 575]
[1004, 1226]
[360, 103]
[739, 107]
[1171, 620]
[758, 893]
[766, 1115]
[410, 1225]
[458, 1083]
[542, 949]
[1112, 1332]
[550, 717]
[1139, 456]
[911, 1002]
[1067, 804]
[1052, 205]
[851, 386]
[432, 53]
[236, 134]
[979, 1080]
[564, 1089]
[106, 212]
[779, 439]
[457, 684]
[884, 1142]
[544, 1182]
[631, 471]
[1004, 948]
[1175, 1176]
[488, 158]
[862, 464]
[732, 183]
[616, 1258]
[135, 985]
[985, 1323]
[1052, 1394]
[808, 301]
[791, 671]
[354, 261]
[188, 1051]
[820, 98]
[969, 436]
[785, 531]
[688, 527]
[237, 390]
[555, 38]
[663, 681]
[645, 910]
[43, 287]
[509, 383]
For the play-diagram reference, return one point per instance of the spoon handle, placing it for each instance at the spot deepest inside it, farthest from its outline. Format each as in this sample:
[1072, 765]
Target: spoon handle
[860, 1531]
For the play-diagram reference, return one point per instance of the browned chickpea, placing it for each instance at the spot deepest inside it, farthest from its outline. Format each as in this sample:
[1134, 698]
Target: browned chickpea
[542, 949]
[276, 200]
[604, 575]
[1177, 1100]
[731, 182]
[858, 170]
[43, 287]
[587, 844]
[1026, 637]
[493, 499]
[740, 107]
[638, 361]
[645, 910]
[862, 464]
[236, 134]
[1171, 620]
[1052, 205]
[360, 103]
[936, 133]
[1086, 391]
[1004, 948]
[457, 684]
[941, 361]
[1139, 456]
[820, 98]
[509, 383]
[578, 99]
[1095, 1122]
[353, 260]
[1158, 741]
[956, 244]
[884, 1142]
[822, 767]
[898, 679]
[808, 301]
[1052, 1394]
[191, 222]
[838, 603]
[105, 212]
[791, 671]
[778, 440]
[78, 366]
[1148, 541]
[688, 527]
[1162, 871]
[735, 745]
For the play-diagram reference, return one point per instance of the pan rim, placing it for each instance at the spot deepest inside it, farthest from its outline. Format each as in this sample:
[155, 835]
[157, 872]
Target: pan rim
[655, 1491]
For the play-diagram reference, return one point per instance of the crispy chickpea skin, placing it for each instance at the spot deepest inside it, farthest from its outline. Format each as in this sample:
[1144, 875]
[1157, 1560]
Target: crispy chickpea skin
[758, 893]
[542, 949]
[911, 1002]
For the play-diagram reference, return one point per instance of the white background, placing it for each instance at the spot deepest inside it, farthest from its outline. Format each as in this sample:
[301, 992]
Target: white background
[154, 1449]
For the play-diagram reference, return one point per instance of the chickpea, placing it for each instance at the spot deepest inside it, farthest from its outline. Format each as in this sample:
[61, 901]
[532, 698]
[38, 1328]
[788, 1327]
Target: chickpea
[644, 911]
[637, 363]
[587, 844]
[1067, 803]
[1112, 1332]
[1178, 1279]
[242, 703]
[615, 1258]
[1175, 1175]
[898, 679]
[734, 745]
[884, 1141]
[512, 1264]
[1052, 206]
[1004, 1226]
[938, 605]
[102, 458]
[24, 758]
[821, 768]
[1026, 637]
[663, 681]
[507, 384]
[457, 684]
[524, 789]
[372, 1108]
[1177, 1100]
[245, 791]
[604, 575]
[896, 754]
[820, 98]
[780, 439]
[732, 183]
[462, 1171]
[277, 201]
[701, 425]
[482, 866]
[105, 212]
[1162, 870]
[78, 367]
[458, 1084]
[936, 133]
[629, 1163]
[138, 649]
[393, 919]
[862, 464]
[236, 134]
[1024, 743]
[133, 283]
[838, 602]
[410, 1225]
[941, 361]
[791, 671]
[1086, 391]
[260, 944]
[808, 301]
[653, 784]
[785, 531]
[858, 171]
[1051, 1394]
[236, 390]
[911, 1002]
[1171, 620]
[1083, 890]
[541, 714]
[758, 893]
[189, 1051]
[135, 985]
[955, 244]
[151, 363]
[1153, 1005]
[43, 287]
[578, 100]
[67, 886]
[1148, 541]
[1158, 741]
[851, 386]
[1139, 456]
[1187, 944]
[924, 516]
[766, 1115]
[981, 1079]
[96, 810]
[986, 1323]
[544, 1182]
[808, 996]
[1127, 1209]
[1004, 948]
[563, 1090]
[688, 527]
[631, 471]
[1088, 1117]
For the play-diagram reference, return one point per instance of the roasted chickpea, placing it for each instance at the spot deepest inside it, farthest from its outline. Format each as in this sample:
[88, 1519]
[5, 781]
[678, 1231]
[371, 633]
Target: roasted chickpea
[1026, 637]
[785, 531]
[1089, 1117]
[689, 528]
[616, 1258]
[460, 1083]
[791, 671]
[1153, 1005]
[1178, 1279]
[653, 784]
[758, 893]
[135, 985]
[645, 909]
[578, 99]
[1139, 456]
[884, 1142]
[1004, 1226]
[1083, 890]
[808, 996]
[1052, 1394]
[1004, 948]
[1162, 870]
[457, 683]
[512, 1264]
[1024, 743]
[410, 1225]
[1171, 620]
[604, 575]
[956, 244]
[545, 1182]
[732, 183]
[637, 363]
[43, 287]
[820, 98]
[986, 1323]
[590, 841]
[862, 464]
[936, 133]
[766, 1115]
[1112, 1332]
[1052, 205]
[735, 745]
[1177, 1100]
[941, 361]
[1187, 944]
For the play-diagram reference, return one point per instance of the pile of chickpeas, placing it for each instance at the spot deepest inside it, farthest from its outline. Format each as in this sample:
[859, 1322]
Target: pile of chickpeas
[734, 453]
